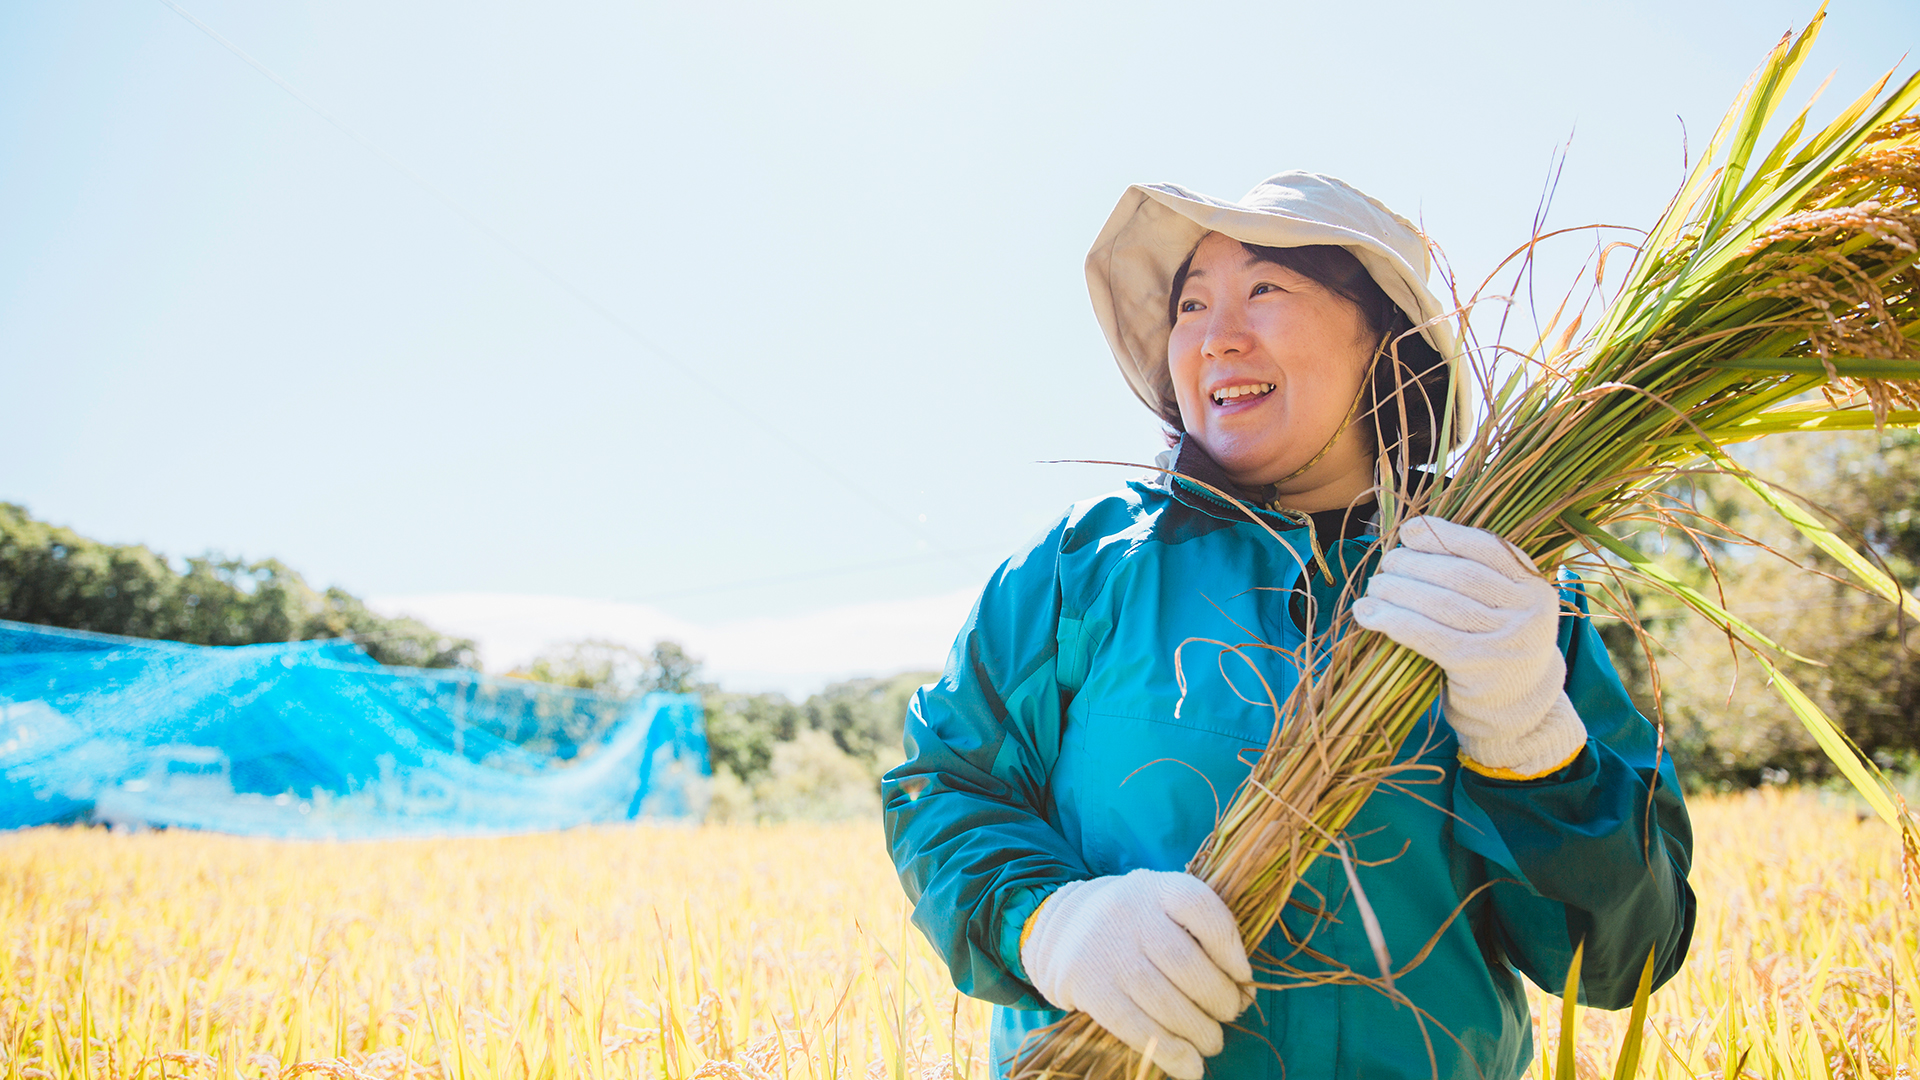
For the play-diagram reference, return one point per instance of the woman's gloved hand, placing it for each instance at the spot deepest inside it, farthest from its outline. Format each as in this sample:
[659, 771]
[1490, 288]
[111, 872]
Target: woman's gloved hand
[1149, 955]
[1475, 605]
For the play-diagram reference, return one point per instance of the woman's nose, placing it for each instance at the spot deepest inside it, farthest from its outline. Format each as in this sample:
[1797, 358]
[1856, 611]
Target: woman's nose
[1227, 333]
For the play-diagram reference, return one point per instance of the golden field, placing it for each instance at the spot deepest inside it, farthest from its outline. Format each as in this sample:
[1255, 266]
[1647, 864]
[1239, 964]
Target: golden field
[765, 952]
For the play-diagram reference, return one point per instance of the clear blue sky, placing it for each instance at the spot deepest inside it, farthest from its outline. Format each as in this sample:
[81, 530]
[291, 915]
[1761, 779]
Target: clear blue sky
[224, 324]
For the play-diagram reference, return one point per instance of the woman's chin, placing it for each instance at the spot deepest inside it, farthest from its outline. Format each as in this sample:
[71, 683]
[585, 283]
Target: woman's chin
[1251, 448]
[1252, 466]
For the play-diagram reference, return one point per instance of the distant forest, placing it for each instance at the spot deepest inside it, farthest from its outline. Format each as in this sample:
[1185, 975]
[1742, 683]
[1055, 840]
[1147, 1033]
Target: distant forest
[56, 577]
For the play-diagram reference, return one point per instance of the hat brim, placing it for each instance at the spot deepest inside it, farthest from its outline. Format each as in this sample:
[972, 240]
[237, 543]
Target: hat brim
[1156, 226]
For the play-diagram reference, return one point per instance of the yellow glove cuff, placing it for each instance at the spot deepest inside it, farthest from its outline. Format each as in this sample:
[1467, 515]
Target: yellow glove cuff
[1026, 929]
[1483, 770]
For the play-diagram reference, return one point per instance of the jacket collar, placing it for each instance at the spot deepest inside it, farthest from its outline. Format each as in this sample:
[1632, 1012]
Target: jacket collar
[1192, 462]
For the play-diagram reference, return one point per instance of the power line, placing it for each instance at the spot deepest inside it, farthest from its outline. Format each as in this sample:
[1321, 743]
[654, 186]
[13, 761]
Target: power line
[658, 352]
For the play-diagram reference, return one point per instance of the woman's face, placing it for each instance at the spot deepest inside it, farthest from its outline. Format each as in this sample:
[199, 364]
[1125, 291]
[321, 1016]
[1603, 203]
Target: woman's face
[1266, 364]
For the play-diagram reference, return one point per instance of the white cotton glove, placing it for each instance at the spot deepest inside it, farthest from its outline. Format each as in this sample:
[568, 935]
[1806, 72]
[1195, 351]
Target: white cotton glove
[1475, 605]
[1149, 955]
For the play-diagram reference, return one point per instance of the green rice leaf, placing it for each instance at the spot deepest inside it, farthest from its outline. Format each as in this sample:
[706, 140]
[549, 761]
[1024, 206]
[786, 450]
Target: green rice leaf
[1678, 589]
[1569, 999]
[1769, 174]
[1628, 1063]
[1728, 246]
[1851, 367]
[1875, 579]
[1838, 127]
[1788, 421]
[1775, 73]
[1839, 749]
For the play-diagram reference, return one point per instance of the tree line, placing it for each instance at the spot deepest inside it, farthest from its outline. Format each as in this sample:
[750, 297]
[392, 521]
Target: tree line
[53, 576]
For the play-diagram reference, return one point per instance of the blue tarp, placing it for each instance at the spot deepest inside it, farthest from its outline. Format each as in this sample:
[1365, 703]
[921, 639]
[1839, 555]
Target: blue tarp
[316, 739]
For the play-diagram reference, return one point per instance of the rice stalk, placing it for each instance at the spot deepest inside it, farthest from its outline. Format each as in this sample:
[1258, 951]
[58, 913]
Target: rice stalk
[1777, 293]
[1802, 939]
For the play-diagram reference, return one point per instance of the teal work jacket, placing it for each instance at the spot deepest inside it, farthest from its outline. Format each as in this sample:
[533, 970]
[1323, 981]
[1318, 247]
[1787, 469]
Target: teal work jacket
[1050, 750]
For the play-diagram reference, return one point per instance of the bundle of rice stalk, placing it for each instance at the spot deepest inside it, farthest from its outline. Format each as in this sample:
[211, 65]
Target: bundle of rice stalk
[1778, 293]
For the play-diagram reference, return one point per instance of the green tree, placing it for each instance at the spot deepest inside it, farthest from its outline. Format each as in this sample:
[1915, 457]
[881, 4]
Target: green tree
[866, 717]
[670, 670]
[597, 664]
[612, 667]
[743, 731]
[53, 576]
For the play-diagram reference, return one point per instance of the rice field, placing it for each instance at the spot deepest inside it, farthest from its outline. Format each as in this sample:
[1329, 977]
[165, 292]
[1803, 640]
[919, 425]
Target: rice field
[755, 953]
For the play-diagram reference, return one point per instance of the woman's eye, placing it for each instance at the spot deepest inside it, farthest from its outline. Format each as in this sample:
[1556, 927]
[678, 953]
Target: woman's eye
[1189, 305]
[1266, 287]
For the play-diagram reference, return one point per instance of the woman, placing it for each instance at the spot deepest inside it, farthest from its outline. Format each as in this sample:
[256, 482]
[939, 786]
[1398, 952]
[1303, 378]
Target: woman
[1061, 774]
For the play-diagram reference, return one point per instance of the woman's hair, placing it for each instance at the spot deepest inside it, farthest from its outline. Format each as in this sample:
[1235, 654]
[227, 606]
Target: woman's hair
[1409, 385]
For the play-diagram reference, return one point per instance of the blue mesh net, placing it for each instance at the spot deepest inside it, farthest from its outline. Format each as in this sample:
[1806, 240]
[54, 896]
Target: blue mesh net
[315, 739]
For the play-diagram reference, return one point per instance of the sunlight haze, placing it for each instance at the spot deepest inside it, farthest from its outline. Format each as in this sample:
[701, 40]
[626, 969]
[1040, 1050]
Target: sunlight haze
[751, 322]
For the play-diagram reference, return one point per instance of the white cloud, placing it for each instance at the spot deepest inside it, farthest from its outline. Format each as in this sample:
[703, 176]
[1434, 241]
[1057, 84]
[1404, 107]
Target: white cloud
[795, 654]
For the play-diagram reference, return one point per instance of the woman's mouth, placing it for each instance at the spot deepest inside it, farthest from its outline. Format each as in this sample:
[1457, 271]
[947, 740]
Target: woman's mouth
[1244, 393]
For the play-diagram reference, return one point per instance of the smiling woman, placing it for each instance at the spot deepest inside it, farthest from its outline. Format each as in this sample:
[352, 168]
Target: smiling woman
[1353, 353]
[1267, 366]
[1100, 703]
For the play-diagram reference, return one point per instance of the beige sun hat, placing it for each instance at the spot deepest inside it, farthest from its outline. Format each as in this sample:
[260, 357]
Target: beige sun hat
[1156, 226]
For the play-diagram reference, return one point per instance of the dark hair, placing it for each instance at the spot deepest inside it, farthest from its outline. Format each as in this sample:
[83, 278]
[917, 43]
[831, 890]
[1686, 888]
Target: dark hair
[1409, 389]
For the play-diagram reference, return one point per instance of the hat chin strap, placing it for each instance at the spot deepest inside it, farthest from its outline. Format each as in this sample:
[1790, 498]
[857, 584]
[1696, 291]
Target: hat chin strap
[1353, 413]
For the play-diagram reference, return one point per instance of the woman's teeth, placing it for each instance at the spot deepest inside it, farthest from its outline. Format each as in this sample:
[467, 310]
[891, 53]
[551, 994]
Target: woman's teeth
[1233, 393]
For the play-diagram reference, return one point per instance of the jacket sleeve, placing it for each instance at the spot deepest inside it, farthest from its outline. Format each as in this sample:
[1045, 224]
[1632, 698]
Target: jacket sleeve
[965, 812]
[1596, 853]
